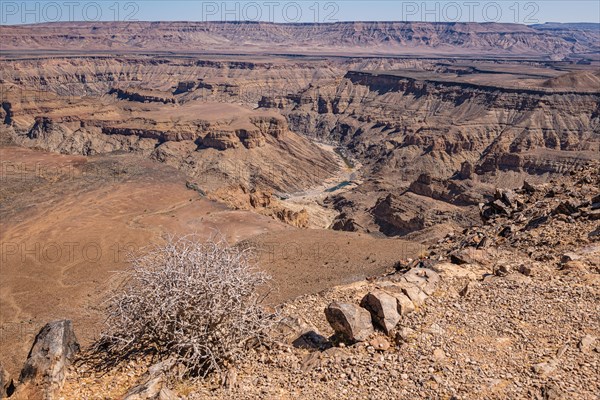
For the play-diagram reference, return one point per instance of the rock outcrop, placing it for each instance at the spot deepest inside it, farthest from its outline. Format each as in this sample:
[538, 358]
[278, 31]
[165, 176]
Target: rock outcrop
[53, 350]
[7, 386]
[390, 299]
[143, 96]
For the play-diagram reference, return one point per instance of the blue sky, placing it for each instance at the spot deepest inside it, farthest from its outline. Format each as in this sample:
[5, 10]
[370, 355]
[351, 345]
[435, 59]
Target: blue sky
[528, 12]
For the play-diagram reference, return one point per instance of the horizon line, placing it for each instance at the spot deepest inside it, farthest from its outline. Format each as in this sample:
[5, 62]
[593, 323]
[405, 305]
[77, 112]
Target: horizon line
[301, 23]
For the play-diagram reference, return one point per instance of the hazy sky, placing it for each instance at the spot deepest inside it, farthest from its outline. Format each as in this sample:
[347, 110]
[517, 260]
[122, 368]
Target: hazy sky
[528, 12]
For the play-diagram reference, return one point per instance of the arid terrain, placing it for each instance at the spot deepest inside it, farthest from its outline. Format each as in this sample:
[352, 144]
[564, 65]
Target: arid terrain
[347, 155]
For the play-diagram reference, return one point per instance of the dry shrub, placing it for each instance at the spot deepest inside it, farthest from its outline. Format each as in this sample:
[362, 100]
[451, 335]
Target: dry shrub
[196, 303]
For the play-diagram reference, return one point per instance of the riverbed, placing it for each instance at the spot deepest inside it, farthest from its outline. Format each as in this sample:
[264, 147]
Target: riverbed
[344, 179]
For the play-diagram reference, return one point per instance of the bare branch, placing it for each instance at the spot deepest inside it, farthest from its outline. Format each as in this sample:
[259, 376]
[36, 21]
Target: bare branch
[194, 302]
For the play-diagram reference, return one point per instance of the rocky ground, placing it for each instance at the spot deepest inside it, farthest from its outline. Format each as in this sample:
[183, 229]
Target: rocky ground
[493, 313]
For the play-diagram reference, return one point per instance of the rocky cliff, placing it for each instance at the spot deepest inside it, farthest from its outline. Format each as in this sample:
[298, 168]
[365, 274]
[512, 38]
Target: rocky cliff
[400, 123]
[366, 37]
[468, 124]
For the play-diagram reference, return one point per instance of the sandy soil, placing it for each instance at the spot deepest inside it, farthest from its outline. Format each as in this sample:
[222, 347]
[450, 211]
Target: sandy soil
[69, 222]
[62, 238]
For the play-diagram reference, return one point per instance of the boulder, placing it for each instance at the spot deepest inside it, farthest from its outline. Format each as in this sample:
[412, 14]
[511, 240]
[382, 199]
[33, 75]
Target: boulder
[350, 321]
[52, 352]
[383, 308]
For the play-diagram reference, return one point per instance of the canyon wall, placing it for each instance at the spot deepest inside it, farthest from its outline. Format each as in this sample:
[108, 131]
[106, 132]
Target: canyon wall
[246, 37]
[399, 124]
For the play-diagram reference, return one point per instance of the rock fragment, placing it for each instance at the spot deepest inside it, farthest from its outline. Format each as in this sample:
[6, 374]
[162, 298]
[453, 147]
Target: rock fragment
[506, 231]
[296, 331]
[404, 334]
[509, 198]
[594, 215]
[545, 368]
[568, 257]
[151, 389]
[380, 343]
[500, 208]
[470, 256]
[405, 305]
[525, 270]
[565, 208]
[551, 391]
[586, 343]
[501, 270]
[439, 355]
[529, 188]
[152, 386]
[536, 222]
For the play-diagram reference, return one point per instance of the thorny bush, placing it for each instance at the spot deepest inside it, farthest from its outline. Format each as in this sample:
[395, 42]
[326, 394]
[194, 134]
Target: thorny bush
[195, 303]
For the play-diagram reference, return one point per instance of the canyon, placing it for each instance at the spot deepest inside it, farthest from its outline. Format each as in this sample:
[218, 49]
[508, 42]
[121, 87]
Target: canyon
[340, 151]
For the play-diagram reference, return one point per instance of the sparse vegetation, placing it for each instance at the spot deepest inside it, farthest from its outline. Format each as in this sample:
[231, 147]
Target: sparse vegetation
[193, 302]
